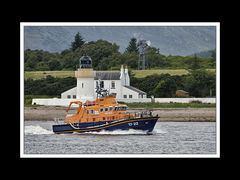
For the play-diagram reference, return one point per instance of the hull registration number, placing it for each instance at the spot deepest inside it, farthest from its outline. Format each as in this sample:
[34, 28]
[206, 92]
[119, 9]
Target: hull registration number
[133, 124]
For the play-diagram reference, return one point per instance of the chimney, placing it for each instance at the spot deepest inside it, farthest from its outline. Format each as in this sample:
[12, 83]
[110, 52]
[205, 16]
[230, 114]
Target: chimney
[122, 75]
[127, 79]
[126, 70]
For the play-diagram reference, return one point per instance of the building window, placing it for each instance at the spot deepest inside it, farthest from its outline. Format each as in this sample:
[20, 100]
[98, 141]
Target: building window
[96, 84]
[74, 96]
[130, 96]
[113, 85]
[102, 84]
[101, 110]
[82, 85]
[111, 108]
[106, 109]
[69, 96]
[124, 96]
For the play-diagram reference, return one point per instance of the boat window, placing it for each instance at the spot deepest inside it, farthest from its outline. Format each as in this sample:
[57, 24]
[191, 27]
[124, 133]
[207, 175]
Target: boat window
[123, 108]
[106, 109]
[96, 112]
[101, 109]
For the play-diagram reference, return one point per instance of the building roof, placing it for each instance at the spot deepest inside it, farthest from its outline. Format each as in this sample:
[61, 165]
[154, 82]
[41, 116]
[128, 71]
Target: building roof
[182, 91]
[135, 89]
[74, 89]
[107, 75]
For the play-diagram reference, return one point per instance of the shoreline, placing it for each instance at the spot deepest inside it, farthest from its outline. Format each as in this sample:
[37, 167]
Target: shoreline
[48, 113]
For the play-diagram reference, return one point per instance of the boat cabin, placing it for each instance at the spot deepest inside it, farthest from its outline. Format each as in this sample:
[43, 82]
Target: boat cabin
[102, 109]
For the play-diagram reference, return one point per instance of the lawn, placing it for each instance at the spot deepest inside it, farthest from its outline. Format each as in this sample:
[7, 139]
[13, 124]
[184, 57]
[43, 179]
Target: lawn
[144, 73]
[42, 74]
[138, 73]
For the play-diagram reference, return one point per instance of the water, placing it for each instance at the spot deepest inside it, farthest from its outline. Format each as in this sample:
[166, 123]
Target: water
[167, 138]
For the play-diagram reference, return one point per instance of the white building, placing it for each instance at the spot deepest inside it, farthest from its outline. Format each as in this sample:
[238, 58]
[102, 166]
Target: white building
[114, 81]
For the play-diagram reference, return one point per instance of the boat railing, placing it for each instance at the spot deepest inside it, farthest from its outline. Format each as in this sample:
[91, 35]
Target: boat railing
[142, 114]
[58, 120]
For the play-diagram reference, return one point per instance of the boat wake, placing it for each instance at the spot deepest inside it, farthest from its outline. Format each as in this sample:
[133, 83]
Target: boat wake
[159, 131]
[118, 132]
[36, 130]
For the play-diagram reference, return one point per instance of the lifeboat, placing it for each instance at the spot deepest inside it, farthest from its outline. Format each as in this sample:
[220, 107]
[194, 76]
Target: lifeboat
[105, 113]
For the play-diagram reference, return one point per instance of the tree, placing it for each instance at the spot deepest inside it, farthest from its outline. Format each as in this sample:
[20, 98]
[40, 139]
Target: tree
[100, 52]
[154, 58]
[213, 54]
[195, 63]
[130, 59]
[78, 42]
[165, 88]
[132, 47]
[200, 83]
[54, 65]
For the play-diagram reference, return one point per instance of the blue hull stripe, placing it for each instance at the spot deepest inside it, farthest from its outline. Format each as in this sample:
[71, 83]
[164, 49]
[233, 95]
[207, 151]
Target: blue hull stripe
[67, 128]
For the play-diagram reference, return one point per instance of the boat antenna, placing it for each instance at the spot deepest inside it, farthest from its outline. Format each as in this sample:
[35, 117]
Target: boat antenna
[110, 80]
[100, 91]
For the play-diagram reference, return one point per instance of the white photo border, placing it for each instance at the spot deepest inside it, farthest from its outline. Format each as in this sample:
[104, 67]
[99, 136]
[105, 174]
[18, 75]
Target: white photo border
[24, 24]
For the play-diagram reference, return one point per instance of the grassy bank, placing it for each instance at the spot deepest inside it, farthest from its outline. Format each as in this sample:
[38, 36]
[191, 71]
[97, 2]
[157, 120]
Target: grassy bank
[144, 73]
[138, 73]
[43, 74]
[170, 105]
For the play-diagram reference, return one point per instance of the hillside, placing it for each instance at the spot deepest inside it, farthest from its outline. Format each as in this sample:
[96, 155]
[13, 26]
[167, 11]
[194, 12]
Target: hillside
[170, 40]
[206, 54]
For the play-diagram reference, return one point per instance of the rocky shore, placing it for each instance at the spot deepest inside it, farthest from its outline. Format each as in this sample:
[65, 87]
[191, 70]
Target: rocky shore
[48, 113]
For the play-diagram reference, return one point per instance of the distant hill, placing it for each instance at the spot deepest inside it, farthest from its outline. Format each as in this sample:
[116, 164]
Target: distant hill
[205, 54]
[170, 40]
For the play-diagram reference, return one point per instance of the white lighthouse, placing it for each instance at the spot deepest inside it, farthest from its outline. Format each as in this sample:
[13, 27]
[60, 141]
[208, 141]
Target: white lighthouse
[85, 79]
[117, 82]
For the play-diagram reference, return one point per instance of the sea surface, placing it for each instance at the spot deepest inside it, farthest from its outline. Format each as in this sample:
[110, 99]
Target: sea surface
[167, 138]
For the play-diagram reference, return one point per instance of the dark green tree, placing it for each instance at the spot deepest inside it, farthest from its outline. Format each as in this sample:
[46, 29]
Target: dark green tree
[130, 59]
[78, 42]
[101, 52]
[213, 54]
[200, 83]
[132, 47]
[154, 58]
[165, 88]
[54, 65]
[195, 63]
